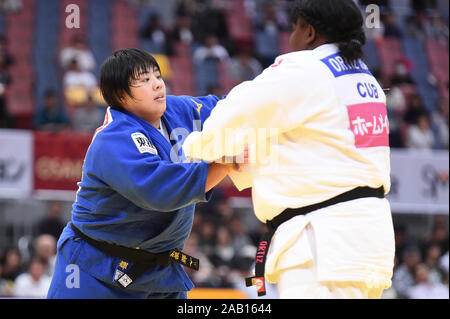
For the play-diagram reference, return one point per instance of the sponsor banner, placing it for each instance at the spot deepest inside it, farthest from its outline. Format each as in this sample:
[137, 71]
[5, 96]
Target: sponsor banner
[16, 163]
[419, 181]
[58, 160]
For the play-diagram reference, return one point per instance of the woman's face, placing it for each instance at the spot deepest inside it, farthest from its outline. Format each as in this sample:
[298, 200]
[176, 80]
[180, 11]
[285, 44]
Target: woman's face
[149, 92]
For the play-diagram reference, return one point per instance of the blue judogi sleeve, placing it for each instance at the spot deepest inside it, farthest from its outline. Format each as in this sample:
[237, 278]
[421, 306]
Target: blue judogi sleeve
[145, 179]
[200, 107]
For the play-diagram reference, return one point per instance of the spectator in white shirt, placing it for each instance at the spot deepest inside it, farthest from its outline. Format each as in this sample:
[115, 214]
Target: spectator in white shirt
[77, 77]
[79, 51]
[420, 136]
[425, 288]
[212, 49]
[34, 283]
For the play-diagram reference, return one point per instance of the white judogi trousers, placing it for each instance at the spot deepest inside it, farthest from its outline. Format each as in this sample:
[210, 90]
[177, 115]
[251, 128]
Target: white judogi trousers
[345, 251]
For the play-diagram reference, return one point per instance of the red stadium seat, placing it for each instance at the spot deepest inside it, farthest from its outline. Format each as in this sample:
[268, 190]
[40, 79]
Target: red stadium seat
[124, 27]
[437, 52]
[240, 25]
[390, 51]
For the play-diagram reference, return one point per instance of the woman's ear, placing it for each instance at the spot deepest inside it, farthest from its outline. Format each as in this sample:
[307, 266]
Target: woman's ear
[311, 34]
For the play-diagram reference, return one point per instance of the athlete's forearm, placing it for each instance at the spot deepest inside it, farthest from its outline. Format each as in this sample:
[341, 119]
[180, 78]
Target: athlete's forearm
[217, 172]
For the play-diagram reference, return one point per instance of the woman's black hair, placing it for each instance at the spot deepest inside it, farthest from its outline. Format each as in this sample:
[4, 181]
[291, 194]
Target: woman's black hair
[340, 21]
[119, 70]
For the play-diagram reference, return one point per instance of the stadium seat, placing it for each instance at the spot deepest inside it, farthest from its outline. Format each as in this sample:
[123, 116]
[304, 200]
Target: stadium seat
[437, 52]
[124, 28]
[240, 24]
[414, 50]
[390, 51]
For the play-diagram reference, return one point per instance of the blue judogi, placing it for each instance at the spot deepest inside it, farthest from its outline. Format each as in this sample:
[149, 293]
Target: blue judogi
[135, 192]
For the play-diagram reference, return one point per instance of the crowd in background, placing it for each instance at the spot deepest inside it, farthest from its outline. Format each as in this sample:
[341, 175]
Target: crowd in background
[220, 238]
[203, 26]
[226, 247]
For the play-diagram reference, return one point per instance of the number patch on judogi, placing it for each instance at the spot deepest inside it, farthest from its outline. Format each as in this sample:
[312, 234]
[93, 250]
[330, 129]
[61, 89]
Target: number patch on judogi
[143, 144]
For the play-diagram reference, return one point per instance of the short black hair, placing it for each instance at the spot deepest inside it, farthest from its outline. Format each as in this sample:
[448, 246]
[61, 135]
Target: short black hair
[340, 21]
[119, 70]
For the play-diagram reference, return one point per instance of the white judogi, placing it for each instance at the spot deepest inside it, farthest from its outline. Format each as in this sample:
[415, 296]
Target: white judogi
[327, 128]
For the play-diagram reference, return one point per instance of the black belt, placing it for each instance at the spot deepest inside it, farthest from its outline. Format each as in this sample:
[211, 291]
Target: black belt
[142, 260]
[264, 243]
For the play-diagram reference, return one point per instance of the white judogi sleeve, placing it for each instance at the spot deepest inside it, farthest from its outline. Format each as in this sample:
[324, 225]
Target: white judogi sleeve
[264, 103]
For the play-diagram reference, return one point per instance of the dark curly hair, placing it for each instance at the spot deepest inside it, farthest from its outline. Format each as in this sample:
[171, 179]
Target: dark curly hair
[340, 21]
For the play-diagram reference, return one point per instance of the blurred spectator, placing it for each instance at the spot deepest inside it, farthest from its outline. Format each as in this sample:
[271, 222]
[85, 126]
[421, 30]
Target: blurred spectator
[396, 105]
[422, 5]
[7, 57]
[6, 119]
[436, 28]
[425, 288]
[207, 239]
[239, 236]
[381, 3]
[403, 279]
[437, 236]
[51, 116]
[267, 37]
[439, 119]
[420, 136]
[423, 26]
[158, 37]
[223, 256]
[205, 275]
[12, 264]
[6, 286]
[183, 31]
[210, 50]
[243, 66]
[52, 223]
[206, 59]
[8, 6]
[34, 283]
[77, 77]
[45, 248]
[210, 19]
[219, 207]
[391, 29]
[431, 260]
[402, 243]
[87, 118]
[401, 74]
[414, 110]
[78, 51]
[443, 262]
[223, 253]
